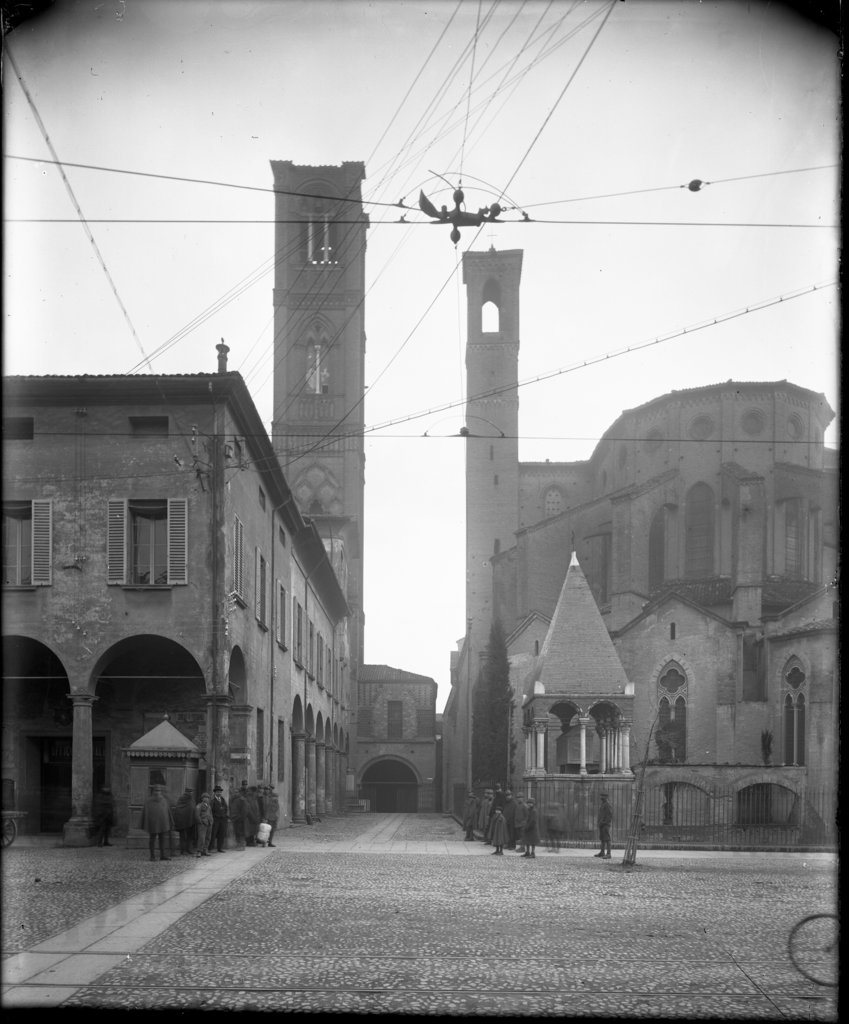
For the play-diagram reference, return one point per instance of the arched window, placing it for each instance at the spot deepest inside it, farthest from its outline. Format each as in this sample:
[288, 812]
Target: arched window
[698, 551]
[320, 240]
[793, 713]
[318, 348]
[793, 539]
[657, 550]
[553, 504]
[671, 731]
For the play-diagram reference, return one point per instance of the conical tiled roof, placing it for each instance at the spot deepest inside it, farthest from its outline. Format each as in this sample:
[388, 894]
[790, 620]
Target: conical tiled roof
[577, 656]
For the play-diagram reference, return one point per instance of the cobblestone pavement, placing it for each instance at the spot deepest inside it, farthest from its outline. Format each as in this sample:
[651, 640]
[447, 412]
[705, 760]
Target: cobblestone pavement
[378, 914]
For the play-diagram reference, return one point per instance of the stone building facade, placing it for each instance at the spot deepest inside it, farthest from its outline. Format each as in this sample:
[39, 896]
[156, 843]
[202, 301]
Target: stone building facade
[395, 740]
[705, 526]
[156, 563]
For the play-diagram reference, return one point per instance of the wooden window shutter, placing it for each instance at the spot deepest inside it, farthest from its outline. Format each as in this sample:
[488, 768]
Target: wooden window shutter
[257, 586]
[42, 542]
[116, 541]
[238, 558]
[178, 541]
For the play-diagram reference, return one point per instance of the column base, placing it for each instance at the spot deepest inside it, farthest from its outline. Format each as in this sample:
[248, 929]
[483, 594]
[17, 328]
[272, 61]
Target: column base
[77, 832]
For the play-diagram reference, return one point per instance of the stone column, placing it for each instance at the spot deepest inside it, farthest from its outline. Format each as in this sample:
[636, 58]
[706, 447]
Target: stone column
[77, 829]
[329, 780]
[626, 746]
[299, 804]
[319, 778]
[583, 723]
[540, 744]
[602, 749]
[529, 750]
[311, 776]
[218, 741]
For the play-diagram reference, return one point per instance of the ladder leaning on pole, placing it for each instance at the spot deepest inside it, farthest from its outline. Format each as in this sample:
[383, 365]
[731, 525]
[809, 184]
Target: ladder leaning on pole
[629, 858]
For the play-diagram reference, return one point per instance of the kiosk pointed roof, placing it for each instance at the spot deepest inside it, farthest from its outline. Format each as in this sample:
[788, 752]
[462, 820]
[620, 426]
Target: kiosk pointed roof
[164, 738]
[578, 656]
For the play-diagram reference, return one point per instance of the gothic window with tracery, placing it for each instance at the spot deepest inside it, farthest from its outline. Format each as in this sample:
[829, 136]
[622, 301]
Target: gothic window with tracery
[794, 706]
[671, 731]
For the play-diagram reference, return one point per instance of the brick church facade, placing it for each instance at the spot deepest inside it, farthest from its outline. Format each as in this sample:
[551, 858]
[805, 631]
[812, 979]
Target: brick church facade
[704, 527]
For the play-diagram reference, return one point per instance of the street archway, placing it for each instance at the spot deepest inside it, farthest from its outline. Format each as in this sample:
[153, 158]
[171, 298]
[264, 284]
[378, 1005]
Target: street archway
[390, 786]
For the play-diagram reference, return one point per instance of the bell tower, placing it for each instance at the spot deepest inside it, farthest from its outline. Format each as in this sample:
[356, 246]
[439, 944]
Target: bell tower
[492, 420]
[319, 358]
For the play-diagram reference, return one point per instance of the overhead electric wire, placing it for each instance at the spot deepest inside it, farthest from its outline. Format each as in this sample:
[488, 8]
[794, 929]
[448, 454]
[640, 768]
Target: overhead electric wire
[74, 202]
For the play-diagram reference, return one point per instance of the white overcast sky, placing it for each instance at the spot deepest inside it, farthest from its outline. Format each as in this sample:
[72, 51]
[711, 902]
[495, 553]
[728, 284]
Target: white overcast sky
[592, 112]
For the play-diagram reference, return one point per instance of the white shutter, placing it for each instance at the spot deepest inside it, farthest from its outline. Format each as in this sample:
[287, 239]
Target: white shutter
[42, 542]
[275, 611]
[238, 558]
[178, 541]
[116, 540]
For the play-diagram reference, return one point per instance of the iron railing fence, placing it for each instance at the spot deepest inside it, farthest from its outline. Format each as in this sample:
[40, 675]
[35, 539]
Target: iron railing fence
[766, 816]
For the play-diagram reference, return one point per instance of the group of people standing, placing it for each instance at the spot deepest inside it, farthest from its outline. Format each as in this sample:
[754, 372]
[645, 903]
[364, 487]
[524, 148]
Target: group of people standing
[202, 825]
[505, 821]
[502, 821]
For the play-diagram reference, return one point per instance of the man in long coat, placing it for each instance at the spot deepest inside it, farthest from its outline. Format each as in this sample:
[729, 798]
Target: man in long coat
[605, 819]
[509, 812]
[520, 823]
[251, 816]
[220, 816]
[103, 811]
[238, 808]
[531, 830]
[271, 810]
[158, 821]
[483, 816]
[184, 819]
[470, 814]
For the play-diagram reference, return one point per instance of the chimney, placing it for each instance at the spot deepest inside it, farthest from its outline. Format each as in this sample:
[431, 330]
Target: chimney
[222, 350]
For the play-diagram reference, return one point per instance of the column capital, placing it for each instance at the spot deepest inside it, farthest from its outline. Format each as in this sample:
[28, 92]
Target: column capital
[81, 699]
[218, 699]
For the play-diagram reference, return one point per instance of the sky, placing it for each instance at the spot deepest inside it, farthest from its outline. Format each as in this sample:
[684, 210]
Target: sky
[586, 120]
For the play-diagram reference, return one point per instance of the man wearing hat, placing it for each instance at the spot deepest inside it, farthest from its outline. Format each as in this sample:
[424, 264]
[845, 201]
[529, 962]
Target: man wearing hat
[158, 821]
[220, 816]
[271, 810]
[184, 820]
[470, 814]
[605, 818]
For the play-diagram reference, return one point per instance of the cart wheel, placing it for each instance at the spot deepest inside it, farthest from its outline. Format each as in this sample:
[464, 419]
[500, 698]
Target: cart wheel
[813, 946]
[10, 830]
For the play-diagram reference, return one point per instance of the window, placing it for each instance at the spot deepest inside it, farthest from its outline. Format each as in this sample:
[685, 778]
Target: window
[394, 719]
[489, 318]
[793, 538]
[698, 559]
[657, 550]
[318, 373]
[281, 533]
[553, 504]
[319, 660]
[298, 626]
[18, 428]
[671, 734]
[320, 240]
[28, 543]
[261, 588]
[147, 542]
[149, 426]
[281, 747]
[260, 742]
[311, 648]
[793, 712]
[280, 621]
[672, 630]
[262, 499]
[238, 559]
[425, 722]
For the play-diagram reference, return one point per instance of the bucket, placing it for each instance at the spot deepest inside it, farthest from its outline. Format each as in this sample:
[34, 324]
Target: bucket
[264, 833]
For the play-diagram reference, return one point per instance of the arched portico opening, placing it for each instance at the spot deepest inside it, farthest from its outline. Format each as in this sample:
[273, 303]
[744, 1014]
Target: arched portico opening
[37, 736]
[390, 786]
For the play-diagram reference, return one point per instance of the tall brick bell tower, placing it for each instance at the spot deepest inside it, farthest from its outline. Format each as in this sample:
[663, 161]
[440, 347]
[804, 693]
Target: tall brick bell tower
[319, 358]
[492, 421]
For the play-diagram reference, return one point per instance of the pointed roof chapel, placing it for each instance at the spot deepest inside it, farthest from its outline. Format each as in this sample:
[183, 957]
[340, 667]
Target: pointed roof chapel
[578, 659]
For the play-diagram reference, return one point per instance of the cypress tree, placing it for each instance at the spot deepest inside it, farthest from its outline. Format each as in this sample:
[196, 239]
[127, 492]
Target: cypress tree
[492, 703]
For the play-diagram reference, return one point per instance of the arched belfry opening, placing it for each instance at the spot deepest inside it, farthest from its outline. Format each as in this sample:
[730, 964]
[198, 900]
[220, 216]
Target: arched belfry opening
[491, 308]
